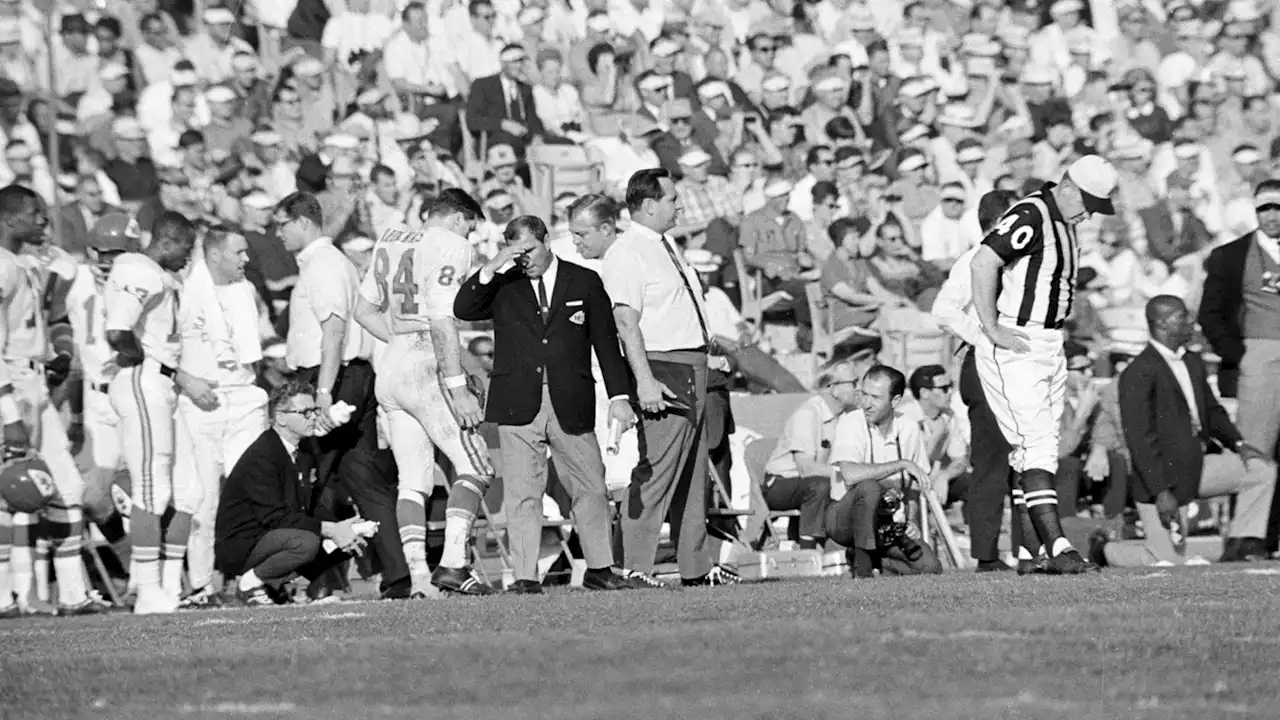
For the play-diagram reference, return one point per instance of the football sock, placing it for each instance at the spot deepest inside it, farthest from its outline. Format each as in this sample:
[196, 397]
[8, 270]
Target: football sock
[146, 547]
[67, 539]
[1042, 504]
[40, 563]
[174, 549]
[20, 560]
[411, 514]
[6, 550]
[464, 503]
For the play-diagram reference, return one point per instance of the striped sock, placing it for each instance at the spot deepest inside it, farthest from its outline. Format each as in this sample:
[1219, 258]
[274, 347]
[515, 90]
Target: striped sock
[67, 539]
[411, 515]
[20, 559]
[457, 534]
[146, 547]
[40, 562]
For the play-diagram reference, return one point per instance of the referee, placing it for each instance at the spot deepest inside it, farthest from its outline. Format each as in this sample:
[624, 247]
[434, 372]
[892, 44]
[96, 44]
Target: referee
[327, 348]
[658, 305]
[1024, 281]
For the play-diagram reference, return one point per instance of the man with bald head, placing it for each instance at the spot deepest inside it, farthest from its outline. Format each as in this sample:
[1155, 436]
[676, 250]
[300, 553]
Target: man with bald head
[1184, 446]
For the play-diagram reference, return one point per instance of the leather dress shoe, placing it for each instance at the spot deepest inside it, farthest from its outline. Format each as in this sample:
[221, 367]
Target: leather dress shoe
[525, 587]
[605, 580]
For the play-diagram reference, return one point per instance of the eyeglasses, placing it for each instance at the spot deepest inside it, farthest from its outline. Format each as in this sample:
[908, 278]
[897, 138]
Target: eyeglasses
[767, 49]
[484, 354]
[945, 387]
[681, 121]
[1086, 369]
[310, 413]
[747, 166]
[486, 16]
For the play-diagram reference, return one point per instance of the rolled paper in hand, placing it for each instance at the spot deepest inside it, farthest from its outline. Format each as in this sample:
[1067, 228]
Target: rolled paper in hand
[615, 435]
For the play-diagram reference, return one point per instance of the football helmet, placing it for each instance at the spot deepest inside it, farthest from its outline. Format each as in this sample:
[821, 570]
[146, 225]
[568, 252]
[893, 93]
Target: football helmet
[26, 485]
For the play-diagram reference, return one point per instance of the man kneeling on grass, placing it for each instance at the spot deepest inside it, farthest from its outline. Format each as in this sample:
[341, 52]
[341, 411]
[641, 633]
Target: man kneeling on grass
[881, 459]
[267, 529]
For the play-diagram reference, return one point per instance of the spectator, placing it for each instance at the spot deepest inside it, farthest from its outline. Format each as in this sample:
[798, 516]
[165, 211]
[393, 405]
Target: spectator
[502, 104]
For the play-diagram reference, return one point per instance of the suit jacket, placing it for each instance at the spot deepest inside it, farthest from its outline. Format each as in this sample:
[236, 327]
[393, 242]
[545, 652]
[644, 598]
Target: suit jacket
[1221, 308]
[580, 320]
[1167, 453]
[1163, 244]
[487, 108]
[75, 231]
[265, 491]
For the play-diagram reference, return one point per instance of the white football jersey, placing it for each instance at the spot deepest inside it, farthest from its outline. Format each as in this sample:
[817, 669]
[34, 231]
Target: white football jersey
[25, 333]
[143, 297]
[415, 276]
[88, 314]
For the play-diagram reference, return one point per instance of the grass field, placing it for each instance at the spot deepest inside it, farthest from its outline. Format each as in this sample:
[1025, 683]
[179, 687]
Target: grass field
[1137, 644]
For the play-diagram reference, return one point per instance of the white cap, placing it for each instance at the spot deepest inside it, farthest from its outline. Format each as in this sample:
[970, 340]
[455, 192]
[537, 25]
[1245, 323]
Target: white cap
[220, 94]
[308, 67]
[655, 82]
[258, 201]
[779, 83]
[513, 54]
[916, 87]
[266, 138]
[1096, 179]
[957, 115]
[665, 47]
[342, 141]
[829, 84]
[599, 23]
[694, 158]
[1247, 155]
[219, 16]
[914, 161]
[1265, 199]
[183, 78]
[778, 188]
[1066, 6]
[973, 153]
[1186, 150]
[913, 133]
[712, 88]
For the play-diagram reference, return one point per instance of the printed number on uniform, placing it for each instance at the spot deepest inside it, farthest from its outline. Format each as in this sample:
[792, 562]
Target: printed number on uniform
[447, 274]
[1021, 236]
[401, 283]
[175, 334]
[90, 321]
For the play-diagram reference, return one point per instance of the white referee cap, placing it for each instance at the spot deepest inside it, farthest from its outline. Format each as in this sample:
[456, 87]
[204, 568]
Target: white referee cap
[1266, 199]
[1096, 178]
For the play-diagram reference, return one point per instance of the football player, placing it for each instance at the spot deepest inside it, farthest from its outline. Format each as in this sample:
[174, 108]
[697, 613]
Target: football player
[33, 358]
[406, 300]
[141, 300]
[113, 235]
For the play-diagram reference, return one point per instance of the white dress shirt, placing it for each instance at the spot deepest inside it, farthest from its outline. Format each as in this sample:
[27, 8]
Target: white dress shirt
[953, 307]
[638, 272]
[1178, 365]
[328, 285]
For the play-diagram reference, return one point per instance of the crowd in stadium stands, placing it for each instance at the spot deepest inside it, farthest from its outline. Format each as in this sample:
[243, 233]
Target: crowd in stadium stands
[830, 156]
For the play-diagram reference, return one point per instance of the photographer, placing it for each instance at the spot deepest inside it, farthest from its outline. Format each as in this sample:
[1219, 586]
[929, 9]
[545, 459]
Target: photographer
[881, 461]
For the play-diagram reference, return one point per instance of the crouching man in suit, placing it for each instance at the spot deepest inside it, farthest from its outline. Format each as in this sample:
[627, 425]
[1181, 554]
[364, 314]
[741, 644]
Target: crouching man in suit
[266, 530]
[548, 317]
[1184, 446]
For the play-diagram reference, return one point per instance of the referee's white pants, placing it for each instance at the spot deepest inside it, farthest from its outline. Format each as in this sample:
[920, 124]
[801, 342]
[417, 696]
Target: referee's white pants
[209, 443]
[1026, 392]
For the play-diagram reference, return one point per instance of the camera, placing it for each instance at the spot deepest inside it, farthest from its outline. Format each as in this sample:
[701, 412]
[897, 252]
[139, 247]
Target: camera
[892, 532]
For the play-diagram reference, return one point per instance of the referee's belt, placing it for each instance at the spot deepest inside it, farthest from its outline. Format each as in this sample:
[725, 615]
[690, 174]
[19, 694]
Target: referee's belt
[100, 387]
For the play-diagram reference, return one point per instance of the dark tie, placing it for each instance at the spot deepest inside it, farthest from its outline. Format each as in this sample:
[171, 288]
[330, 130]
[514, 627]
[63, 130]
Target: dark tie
[543, 307]
[515, 103]
[697, 308]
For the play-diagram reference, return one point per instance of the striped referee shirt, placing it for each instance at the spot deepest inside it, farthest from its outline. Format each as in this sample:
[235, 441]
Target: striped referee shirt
[1041, 256]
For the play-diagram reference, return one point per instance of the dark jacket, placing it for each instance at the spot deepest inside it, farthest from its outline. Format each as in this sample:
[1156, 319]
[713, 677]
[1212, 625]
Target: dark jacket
[1167, 454]
[487, 108]
[1221, 308]
[265, 491]
[1161, 241]
[580, 320]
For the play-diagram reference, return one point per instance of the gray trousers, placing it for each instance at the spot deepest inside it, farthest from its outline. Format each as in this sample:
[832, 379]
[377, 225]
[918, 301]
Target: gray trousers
[580, 470]
[670, 481]
[285, 551]
[1259, 415]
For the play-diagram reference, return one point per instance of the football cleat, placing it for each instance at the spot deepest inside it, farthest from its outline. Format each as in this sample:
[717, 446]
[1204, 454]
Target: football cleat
[1070, 563]
[10, 612]
[25, 483]
[719, 575]
[642, 581]
[461, 580]
[201, 599]
[255, 597]
[90, 606]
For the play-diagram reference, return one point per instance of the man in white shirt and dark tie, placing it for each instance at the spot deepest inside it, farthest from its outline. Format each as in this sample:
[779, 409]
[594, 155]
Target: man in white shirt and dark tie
[658, 306]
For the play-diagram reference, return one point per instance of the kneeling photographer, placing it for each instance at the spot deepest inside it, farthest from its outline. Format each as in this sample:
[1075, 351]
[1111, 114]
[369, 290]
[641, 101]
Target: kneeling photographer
[881, 461]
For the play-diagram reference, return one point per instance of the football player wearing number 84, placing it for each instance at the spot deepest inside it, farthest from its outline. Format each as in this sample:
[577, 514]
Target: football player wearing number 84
[406, 300]
[329, 351]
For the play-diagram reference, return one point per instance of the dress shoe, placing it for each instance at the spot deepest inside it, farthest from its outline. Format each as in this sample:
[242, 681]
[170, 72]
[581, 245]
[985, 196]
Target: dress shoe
[1244, 549]
[986, 566]
[1098, 540]
[1037, 566]
[605, 579]
[461, 580]
[398, 590]
[1070, 562]
[861, 565]
[525, 587]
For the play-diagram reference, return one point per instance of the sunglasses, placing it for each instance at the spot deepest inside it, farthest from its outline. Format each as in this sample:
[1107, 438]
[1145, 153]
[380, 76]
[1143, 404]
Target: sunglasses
[767, 49]
[484, 354]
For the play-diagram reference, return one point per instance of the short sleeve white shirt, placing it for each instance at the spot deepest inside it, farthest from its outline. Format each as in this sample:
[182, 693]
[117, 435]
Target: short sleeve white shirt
[638, 272]
[328, 285]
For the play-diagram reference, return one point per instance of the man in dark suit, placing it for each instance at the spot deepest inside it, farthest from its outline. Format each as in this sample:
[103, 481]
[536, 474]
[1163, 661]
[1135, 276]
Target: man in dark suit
[266, 530]
[1173, 228]
[502, 105]
[1183, 444]
[548, 317]
[77, 217]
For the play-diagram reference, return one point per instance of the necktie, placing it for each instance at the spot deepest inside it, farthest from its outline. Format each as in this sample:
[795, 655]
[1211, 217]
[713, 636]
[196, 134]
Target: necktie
[697, 307]
[543, 307]
[513, 93]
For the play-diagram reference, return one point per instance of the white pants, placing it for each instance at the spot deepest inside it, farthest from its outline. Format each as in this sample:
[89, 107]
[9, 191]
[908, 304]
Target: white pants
[420, 419]
[48, 435]
[208, 446]
[1027, 394]
[146, 401]
[102, 426]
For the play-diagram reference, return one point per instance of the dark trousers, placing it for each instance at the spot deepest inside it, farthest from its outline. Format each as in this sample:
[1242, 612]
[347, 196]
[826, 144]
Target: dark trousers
[851, 522]
[809, 495]
[283, 552]
[798, 305]
[349, 460]
[992, 478]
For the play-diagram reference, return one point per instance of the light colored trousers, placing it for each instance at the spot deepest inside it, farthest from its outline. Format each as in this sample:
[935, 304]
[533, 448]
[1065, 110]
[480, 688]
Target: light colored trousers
[209, 443]
[1259, 394]
[580, 469]
[1223, 474]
